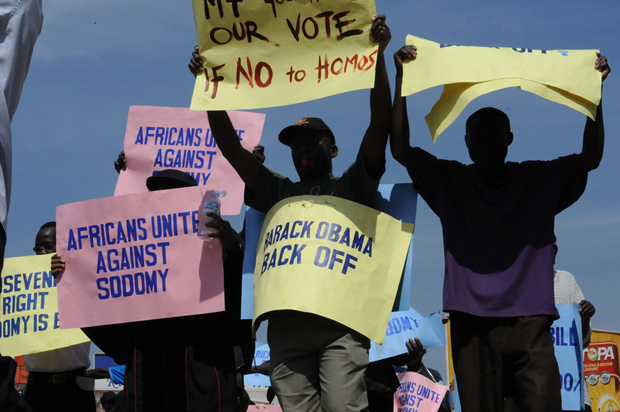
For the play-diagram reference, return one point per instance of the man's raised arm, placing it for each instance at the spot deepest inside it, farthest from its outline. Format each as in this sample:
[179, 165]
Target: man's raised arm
[246, 165]
[399, 138]
[594, 132]
[375, 139]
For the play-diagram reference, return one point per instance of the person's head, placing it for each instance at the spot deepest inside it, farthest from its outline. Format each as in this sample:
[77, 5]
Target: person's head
[169, 179]
[487, 136]
[45, 242]
[313, 146]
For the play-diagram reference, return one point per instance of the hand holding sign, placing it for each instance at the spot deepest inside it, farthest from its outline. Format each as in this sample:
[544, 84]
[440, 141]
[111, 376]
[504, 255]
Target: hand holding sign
[253, 58]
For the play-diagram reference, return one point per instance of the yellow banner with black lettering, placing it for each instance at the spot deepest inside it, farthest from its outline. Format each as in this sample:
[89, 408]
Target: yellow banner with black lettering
[567, 77]
[272, 53]
[331, 257]
[29, 322]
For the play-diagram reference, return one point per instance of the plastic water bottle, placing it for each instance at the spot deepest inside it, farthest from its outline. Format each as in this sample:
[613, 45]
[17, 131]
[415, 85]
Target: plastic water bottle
[210, 204]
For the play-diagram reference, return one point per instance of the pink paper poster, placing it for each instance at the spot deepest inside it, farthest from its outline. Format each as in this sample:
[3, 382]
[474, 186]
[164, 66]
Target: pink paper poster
[417, 393]
[136, 257]
[159, 138]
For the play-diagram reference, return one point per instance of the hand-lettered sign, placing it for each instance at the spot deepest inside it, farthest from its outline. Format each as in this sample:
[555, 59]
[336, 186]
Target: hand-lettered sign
[136, 257]
[273, 53]
[404, 325]
[159, 138]
[332, 257]
[30, 321]
[563, 76]
[397, 200]
[418, 394]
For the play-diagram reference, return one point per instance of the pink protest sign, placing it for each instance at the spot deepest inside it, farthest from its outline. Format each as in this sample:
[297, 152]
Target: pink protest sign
[136, 257]
[159, 138]
[417, 393]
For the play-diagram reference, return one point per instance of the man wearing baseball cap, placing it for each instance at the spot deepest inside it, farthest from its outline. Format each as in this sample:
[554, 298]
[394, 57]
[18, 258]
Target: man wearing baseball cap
[316, 363]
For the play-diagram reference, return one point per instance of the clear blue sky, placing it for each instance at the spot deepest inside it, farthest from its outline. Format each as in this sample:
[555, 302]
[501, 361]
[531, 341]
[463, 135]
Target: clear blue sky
[95, 59]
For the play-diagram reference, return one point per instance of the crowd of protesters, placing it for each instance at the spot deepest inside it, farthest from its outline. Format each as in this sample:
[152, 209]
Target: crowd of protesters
[499, 247]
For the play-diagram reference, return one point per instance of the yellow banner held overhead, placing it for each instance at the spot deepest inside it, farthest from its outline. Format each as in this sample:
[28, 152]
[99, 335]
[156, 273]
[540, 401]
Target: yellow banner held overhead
[567, 77]
[29, 322]
[331, 257]
[272, 53]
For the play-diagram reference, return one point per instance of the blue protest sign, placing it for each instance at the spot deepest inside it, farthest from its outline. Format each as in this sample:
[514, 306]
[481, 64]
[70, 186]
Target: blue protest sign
[568, 345]
[404, 325]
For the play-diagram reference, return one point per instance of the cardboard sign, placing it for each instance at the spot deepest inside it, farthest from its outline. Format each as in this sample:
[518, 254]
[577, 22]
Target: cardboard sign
[136, 257]
[159, 138]
[323, 254]
[567, 77]
[273, 53]
[30, 321]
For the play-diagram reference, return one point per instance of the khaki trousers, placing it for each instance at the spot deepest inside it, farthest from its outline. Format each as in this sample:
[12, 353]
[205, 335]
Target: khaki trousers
[317, 364]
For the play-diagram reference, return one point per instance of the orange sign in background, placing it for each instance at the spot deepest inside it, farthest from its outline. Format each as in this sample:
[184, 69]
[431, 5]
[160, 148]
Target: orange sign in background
[601, 370]
[21, 374]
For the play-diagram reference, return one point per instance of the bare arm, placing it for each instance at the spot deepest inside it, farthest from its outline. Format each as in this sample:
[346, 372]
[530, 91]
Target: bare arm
[244, 162]
[246, 165]
[399, 139]
[375, 139]
[594, 132]
[587, 310]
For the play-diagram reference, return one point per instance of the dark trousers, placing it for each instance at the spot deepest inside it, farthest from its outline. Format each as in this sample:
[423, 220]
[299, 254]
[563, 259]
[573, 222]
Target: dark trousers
[495, 358]
[44, 395]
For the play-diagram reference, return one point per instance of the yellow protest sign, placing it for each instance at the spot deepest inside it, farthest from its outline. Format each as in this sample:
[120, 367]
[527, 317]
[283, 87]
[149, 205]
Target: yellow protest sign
[271, 53]
[567, 77]
[331, 257]
[29, 322]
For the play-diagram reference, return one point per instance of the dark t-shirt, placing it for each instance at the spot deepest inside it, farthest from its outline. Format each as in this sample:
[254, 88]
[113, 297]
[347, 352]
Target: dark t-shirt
[498, 240]
[355, 185]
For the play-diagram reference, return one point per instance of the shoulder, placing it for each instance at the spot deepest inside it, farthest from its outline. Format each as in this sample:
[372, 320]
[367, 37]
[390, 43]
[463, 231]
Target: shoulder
[560, 162]
[563, 274]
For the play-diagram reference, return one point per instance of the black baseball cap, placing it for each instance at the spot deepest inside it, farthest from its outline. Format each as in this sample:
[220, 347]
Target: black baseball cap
[306, 124]
[170, 177]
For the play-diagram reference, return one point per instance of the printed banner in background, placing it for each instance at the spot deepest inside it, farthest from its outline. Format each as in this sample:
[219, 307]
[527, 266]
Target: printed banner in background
[30, 322]
[602, 371]
[417, 393]
[159, 138]
[136, 257]
[332, 257]
[397, 200]
[274, 53]
[567, 77]
[404, 325]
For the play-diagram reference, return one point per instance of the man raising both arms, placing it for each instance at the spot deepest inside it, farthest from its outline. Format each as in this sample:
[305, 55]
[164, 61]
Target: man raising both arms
[498, 230]
[317, 364]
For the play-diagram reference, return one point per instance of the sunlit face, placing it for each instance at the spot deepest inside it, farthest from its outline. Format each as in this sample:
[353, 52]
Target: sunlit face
[312, 154]
[45, 242]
